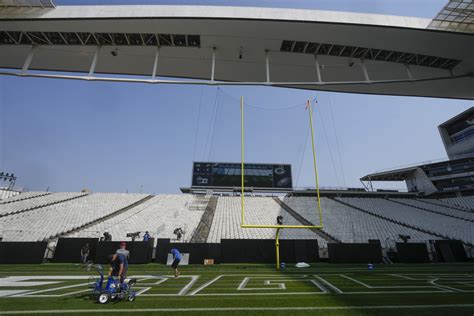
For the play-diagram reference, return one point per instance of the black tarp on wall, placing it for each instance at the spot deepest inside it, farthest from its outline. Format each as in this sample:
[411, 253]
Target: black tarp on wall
[412, 253]
[296, 250]
[450, 250]
[69, 249]
[242, 251]
[140, 251]
[22, 252]
[354, 253]
[248, 251]
[197, 251]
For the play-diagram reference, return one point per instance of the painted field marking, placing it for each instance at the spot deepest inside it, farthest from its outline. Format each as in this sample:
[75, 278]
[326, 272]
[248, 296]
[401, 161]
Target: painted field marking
[470, 284]
[322, 288]
[444, 286]
[383, 287]
[225, 309]
[433, 279]
[183, 291]
[280, 285]
[202, 287]
[53, 289]
[330, 285]
[142, 290]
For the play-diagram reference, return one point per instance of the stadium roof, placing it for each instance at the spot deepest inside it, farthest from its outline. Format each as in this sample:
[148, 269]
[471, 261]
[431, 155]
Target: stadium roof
[391, 175]
[309, 49]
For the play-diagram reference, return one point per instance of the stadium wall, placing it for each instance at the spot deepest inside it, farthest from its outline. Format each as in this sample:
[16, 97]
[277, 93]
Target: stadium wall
[412, 253]
[69, 249]
[22, 252]
[354, 253]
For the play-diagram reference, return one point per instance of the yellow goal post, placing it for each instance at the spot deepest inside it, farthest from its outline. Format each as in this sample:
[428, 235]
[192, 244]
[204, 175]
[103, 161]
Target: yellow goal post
[242, 195]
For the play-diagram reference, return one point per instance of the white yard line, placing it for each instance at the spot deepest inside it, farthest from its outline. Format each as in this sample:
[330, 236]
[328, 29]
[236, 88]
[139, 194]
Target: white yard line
[322, 288]
[143, 290]
[403, 277]
[185, 289]
[446, 288]
[331, 286]
[53, 289]
[205, 285]
[389, 286]
[57, 295]
[224, 309]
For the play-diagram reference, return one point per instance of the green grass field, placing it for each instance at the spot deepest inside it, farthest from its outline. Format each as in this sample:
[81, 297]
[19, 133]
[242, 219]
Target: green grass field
[322, 289]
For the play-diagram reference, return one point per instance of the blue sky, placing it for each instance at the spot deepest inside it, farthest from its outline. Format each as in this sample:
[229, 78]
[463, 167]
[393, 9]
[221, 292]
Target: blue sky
[114, 137]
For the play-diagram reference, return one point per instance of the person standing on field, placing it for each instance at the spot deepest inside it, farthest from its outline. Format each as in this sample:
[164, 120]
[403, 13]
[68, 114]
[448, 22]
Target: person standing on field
[84, 253]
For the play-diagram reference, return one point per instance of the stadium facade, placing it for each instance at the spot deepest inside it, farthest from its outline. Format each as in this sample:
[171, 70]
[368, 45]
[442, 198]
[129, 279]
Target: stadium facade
[450, 177]
[307, 49]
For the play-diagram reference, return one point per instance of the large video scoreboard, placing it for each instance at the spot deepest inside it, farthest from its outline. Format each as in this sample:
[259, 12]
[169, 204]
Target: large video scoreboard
[223, 174]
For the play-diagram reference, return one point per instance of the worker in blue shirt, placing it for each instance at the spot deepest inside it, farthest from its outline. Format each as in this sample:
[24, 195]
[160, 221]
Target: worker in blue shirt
[176, 259]
[146, 236]
[118, 266]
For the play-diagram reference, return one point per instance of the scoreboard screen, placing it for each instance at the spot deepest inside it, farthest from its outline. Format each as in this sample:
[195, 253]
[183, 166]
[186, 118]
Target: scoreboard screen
[222, 174]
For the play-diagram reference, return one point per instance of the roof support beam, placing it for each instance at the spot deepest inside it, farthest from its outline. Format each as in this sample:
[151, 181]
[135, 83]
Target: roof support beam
[94, 62]
[228, 83]
[267, 65]
[12, 38]
[318, 69]
[63, 38]
[410, 76]
[155, 63]
[213, 66]
[364, 70]
[28, 59]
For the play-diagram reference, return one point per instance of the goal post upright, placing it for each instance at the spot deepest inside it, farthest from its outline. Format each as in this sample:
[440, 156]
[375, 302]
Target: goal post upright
[242, 159]
[242, 186]
[310, 111]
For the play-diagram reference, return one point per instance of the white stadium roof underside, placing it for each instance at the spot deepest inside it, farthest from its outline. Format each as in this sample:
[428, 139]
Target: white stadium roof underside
[307, 49]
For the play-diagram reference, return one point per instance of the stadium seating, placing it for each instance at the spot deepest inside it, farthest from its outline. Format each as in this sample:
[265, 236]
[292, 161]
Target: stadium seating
[160, 216]
[6, 193]
[349, 224]
[37, 216]
[39, 201]
[436, 223]
[21, 196]
[45, 222]
[258, 210]
[438, 208]
[465, 202]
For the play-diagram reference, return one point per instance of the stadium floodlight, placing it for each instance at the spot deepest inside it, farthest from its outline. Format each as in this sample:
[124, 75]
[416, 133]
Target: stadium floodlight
[279, 226]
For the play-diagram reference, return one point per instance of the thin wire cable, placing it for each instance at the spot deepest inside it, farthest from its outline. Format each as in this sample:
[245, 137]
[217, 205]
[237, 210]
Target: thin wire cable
[302, 156]
[212, 123]
[327, 142]
[197, 124]
[337, 142]
[260, 107]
